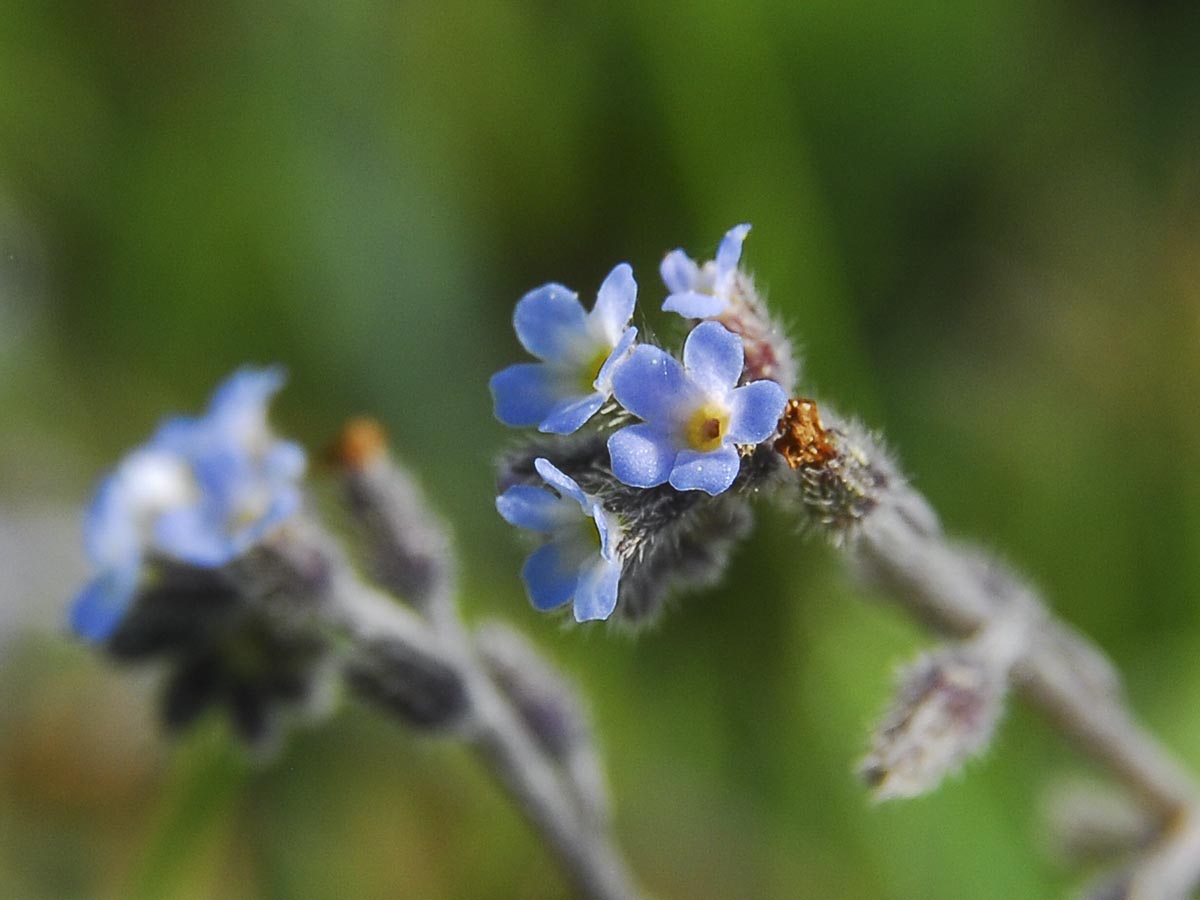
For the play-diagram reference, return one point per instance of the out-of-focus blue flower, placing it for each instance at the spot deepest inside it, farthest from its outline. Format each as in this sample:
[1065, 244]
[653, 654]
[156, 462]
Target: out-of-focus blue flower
[202, 491]
[580, 561]
[579, 352]
[703, 291]
[694, 415]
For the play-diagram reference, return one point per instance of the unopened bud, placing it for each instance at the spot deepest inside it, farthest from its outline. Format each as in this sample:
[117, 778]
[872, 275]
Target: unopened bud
[767, 348]
[408, 548]
[945, 712]
[362, 442]
[408, 682]
[844, 473]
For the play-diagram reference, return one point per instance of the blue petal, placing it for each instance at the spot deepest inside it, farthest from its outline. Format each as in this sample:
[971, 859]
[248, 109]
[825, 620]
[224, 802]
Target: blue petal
[549, 578]
[651, 384]
[755, 411]
[603, 382]
[237, 412]
[711, 472]
[193, 535]
[695, 305]
[177, 434]
[560, 481]
[110, 535]
[525, 393]
[679, 272]
[100, 606]
[246, 389]
[596, 594]
[713, 357]
[570, 414]
[641, 455]
[730, 249]
[285, 461]
[531, 507]
[615, 300]
[223, 471]
[608, 535]
[549, 320]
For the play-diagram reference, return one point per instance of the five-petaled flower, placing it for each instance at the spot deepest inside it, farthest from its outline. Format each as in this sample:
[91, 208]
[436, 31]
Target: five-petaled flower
[703, 291]
[579, 561]
[202, 491]
[694, 415]
[579, 353]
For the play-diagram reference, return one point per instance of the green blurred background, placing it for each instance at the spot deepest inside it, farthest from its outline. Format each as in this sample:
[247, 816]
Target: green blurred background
[982, 221]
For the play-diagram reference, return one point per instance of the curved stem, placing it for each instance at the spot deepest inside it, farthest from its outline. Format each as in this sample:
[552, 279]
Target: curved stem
[957, 593]
[945, 587]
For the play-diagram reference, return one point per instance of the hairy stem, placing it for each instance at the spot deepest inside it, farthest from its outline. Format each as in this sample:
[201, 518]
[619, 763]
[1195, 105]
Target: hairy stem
[948, 591]
[587, 854]
[410, 650]
[959, 592]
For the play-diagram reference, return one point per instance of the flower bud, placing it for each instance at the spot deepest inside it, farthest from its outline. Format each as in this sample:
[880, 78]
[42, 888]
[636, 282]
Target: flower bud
[408, 682]
[408, 549]
[945, 712]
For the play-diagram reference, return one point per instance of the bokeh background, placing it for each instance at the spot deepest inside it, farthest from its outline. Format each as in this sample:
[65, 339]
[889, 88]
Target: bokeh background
[982, 221]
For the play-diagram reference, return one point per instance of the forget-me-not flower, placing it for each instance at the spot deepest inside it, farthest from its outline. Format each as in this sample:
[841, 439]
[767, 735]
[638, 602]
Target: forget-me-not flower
[202, 491]
[579, 352]
[580, 561]
[703, 291]
[694, 415]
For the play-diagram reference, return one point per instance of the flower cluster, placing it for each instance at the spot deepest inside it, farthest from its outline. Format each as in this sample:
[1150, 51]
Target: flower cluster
[201, 492]
[196, 538]
[635, 433]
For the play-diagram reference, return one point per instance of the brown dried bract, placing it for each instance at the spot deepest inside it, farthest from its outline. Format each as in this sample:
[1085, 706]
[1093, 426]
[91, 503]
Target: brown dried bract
[362, 441]
[803, 440]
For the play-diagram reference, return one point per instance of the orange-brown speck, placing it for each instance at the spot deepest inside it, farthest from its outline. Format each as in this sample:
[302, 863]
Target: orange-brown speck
[803, 440]
[362, 441]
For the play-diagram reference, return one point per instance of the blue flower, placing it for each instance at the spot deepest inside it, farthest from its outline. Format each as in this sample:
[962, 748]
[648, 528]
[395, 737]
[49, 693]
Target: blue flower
[703, 291]
[202, 491]
[694, 415]
[580, 560]
[579, 352]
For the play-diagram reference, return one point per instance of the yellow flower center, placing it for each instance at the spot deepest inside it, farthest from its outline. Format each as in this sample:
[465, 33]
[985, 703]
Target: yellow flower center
[590, 370]
[705, 429]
